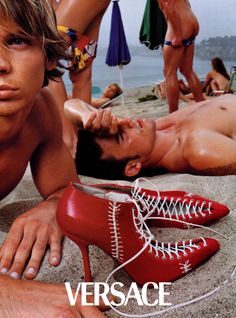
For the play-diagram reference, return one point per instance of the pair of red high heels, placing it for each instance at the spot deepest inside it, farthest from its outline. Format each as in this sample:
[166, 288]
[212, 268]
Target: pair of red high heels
[115, 218]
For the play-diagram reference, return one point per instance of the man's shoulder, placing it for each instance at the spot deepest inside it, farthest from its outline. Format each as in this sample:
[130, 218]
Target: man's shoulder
[198, 147]
[45, 114]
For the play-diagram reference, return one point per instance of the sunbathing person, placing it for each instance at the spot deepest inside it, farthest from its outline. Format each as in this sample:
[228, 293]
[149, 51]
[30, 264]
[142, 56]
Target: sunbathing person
[31, 132]
[110, 92]
[199, 139]
[218, 78]
[160, 90]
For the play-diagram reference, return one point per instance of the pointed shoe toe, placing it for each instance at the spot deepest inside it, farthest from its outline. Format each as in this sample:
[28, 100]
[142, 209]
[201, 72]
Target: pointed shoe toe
[173, 208]
[115, 223]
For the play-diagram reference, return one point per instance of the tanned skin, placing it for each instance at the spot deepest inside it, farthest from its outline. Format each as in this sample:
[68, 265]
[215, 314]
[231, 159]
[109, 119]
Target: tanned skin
[199, 139]
[182, 24]
[31, 132]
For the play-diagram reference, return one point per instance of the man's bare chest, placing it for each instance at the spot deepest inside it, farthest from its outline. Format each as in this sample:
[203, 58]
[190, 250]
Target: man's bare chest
[13, 163]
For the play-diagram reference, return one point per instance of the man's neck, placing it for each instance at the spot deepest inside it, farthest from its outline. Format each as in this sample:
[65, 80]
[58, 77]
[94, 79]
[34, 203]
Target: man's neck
[164, 142]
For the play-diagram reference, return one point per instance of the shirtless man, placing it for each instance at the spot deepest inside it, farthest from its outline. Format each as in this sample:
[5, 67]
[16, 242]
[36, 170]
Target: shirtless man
[199, 139]
[178, 51]
[30, 131]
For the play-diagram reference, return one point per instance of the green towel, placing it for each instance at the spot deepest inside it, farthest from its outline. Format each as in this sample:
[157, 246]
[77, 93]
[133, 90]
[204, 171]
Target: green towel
[153, 28]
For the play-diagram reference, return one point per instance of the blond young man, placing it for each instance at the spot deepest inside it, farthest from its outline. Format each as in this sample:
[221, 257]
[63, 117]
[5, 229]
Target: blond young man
[30, 132]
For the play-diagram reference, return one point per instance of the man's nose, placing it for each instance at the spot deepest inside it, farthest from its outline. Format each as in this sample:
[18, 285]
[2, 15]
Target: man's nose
[5, 65]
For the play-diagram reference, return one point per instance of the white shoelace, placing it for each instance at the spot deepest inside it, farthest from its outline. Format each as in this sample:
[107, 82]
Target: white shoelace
[144, 232]
[171, 208]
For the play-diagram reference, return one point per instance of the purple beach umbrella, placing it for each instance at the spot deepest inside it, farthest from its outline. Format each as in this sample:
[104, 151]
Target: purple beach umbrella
[118, 51]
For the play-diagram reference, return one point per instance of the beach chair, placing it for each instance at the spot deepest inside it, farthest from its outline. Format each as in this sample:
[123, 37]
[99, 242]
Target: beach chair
[112, 100]
[232, 83]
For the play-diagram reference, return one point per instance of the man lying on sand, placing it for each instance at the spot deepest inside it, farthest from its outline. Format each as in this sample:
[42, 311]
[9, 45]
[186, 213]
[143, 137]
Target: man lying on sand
[199, 139]
[30, 131]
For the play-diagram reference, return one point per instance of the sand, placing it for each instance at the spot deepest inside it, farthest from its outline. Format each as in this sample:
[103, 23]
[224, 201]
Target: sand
[204, 279]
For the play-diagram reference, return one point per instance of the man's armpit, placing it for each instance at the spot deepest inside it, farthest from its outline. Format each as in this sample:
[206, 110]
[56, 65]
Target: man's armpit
[218, 171]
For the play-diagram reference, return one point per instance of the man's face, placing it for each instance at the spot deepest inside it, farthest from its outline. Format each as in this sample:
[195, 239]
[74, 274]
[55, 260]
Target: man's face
[22, 68]
[136, 141]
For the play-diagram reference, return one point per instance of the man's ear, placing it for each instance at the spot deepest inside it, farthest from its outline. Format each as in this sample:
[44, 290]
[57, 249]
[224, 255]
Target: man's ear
[132, 168]
[50, 64]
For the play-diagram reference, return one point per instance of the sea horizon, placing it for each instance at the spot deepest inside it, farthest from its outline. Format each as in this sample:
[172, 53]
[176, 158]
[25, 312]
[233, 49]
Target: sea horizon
[141, 71]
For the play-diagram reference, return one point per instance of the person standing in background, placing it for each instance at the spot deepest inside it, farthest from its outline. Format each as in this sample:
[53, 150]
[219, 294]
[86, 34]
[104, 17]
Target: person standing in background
[178, 51]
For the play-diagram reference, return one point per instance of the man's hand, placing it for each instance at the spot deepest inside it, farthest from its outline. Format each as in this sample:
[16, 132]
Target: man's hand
[102, 122]
[27, 240]
[177, 40]
[98, 121]
[24, 299]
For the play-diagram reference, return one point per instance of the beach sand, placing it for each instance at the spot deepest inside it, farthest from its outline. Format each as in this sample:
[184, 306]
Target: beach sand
[204, 279]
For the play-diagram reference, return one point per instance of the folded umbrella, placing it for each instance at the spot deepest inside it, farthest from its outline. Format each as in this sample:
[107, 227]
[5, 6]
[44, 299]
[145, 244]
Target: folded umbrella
[153, 27]
[118, 52]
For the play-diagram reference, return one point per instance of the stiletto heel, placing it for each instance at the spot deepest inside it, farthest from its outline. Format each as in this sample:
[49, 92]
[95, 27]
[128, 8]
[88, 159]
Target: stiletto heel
[114, 222]
[85, 255]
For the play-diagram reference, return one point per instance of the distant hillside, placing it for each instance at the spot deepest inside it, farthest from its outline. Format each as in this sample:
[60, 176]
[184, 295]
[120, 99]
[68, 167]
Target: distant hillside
[224, 47]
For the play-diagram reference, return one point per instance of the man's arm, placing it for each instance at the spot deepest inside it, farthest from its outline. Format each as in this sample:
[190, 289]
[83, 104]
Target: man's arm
[60, 96]
[210, 153]
[99, 121]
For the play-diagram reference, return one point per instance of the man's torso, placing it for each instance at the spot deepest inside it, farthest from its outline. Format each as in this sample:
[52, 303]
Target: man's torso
[217, 115]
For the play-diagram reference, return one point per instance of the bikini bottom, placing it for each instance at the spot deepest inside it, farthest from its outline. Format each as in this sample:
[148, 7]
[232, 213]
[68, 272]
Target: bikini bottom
[185, 42]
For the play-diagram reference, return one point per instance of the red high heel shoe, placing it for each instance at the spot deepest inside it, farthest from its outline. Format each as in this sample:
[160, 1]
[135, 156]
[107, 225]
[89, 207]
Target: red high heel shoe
[172, 206]
[113, 222]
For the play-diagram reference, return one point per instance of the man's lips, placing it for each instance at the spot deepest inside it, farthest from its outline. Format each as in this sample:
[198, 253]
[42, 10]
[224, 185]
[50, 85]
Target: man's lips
[7, 91]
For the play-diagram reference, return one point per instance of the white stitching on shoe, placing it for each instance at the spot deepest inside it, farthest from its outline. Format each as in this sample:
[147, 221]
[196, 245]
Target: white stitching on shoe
[117, 250]
[185, 267]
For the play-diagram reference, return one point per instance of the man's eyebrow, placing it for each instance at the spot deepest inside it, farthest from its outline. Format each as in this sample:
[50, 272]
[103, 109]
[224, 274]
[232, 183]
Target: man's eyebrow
[17, 32]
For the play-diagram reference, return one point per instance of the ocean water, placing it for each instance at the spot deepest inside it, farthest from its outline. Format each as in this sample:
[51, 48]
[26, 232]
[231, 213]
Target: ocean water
[142, 70]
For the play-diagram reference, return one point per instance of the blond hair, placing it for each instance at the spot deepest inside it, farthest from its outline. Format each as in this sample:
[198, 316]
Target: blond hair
[37, 20]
